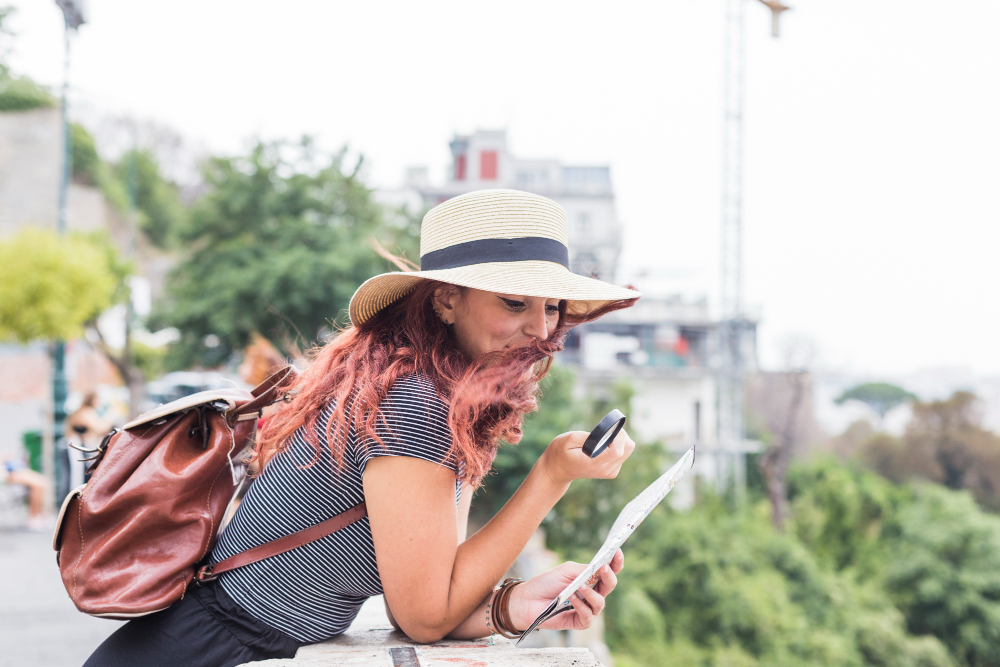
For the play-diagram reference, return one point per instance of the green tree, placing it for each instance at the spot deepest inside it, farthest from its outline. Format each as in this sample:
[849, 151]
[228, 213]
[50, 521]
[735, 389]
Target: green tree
[945, 573]
[156, 199]
[279, 242]
[135, 363]
[52, 285]
[715, 587]
[946, 443]
[930, 551]
[85, 159]
[879, 396]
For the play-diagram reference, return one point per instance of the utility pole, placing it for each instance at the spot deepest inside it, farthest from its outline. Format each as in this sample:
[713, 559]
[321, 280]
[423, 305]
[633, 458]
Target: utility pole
[73, 15]
[733, 327]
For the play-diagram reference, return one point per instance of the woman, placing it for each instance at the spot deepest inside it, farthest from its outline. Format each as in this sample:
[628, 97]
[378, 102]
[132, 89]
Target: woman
[404, 411]
[15, 471]
[84, 428]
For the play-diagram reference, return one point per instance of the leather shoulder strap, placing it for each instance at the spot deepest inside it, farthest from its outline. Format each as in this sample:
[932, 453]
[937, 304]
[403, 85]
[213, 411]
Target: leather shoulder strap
[267, 392]
[283, 544]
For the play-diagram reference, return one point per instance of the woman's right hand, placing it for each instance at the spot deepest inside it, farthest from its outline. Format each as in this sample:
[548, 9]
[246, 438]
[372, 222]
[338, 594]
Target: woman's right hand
[563, 460]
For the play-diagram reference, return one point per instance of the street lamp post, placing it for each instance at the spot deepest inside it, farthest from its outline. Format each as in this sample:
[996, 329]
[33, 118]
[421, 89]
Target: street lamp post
[74, 16]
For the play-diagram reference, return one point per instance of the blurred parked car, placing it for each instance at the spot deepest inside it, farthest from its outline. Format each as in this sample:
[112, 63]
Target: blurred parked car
[178, 384]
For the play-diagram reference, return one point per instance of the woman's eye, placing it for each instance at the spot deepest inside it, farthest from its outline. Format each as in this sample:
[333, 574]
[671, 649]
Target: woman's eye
[512, 304]
[551, 310]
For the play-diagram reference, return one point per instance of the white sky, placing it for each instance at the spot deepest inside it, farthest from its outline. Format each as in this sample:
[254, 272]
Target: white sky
[872, 140]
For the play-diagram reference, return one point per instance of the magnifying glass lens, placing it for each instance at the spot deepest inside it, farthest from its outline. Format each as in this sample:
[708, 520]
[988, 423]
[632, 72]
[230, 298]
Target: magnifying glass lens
[604, 439]
[603, 433]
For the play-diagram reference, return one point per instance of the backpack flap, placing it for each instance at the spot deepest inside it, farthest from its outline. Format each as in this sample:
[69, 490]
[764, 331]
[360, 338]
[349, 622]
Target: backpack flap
[223, 400]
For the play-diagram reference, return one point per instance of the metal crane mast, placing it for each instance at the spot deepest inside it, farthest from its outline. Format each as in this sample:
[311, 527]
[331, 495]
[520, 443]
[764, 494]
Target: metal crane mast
[734, 345]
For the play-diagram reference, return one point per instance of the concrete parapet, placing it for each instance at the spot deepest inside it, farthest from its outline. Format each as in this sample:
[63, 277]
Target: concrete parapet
[369, 639]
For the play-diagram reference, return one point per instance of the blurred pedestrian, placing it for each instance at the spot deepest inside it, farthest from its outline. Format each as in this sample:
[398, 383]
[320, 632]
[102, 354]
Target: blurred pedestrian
[85, 428]
[260, 360]
[16, 471]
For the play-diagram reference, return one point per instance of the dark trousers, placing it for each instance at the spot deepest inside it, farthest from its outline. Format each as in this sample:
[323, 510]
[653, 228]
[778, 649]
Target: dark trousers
[205, 629]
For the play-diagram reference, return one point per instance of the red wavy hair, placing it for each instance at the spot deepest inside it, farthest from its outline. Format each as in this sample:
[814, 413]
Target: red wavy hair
[487, 397]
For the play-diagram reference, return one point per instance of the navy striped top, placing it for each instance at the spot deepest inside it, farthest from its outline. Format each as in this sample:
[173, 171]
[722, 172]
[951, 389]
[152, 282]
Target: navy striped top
[313, 592]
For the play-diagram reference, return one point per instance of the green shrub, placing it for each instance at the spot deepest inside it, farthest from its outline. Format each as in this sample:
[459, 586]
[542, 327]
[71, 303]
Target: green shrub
[22, 94]
[727, 589]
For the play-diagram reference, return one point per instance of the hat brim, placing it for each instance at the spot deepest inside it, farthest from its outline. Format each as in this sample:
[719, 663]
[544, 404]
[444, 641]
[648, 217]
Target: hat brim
[528, 278]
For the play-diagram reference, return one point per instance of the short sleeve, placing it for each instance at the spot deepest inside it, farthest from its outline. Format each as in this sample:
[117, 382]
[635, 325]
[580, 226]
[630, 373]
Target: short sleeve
[413, 422]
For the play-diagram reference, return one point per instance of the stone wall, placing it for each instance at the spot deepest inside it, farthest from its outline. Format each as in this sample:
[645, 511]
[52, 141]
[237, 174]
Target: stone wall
[370, 641]
[30, 168]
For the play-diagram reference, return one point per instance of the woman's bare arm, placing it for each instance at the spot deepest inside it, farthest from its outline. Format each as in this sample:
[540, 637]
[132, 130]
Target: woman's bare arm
[461, 527]
[464, 504]
[433, 583]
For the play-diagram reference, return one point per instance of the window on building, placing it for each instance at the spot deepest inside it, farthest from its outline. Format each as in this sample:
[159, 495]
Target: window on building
[488, 165]
[460, 167]
[583, 221]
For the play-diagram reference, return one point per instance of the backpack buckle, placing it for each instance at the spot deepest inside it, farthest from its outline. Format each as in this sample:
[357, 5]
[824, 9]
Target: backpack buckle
[204, 574]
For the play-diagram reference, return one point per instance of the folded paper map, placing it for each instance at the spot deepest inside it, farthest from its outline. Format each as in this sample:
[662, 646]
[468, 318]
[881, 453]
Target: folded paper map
[630, 517]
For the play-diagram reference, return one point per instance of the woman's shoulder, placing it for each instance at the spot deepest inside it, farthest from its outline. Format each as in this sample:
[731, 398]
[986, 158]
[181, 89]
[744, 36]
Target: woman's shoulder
[413, 421]
[417, 386]
[415, 397]
[408, 390]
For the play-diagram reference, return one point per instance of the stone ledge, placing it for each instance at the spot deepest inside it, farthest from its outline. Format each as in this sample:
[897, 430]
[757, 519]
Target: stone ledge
[368, 640]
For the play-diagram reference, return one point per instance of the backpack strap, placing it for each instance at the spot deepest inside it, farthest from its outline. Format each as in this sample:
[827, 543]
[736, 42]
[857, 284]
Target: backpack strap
[207, 573]
[267, 392]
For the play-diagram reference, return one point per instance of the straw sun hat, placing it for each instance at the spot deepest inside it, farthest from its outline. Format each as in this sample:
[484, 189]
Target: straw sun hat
[504, 241]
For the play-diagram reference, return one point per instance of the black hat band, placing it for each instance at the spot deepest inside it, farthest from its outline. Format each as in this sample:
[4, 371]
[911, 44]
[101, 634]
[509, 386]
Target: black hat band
[481, 251]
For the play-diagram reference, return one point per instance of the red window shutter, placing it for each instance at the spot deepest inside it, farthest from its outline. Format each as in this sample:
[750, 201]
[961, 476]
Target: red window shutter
[460, 167]
[488, 165]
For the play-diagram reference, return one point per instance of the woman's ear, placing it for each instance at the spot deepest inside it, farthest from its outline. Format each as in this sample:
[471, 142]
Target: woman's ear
[445, 300]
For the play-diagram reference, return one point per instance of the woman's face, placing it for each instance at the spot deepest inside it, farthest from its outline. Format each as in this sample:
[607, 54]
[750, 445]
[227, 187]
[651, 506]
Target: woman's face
[488, 321]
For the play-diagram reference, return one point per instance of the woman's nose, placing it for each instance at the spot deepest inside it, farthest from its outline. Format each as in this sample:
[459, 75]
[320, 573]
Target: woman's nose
[537, 326]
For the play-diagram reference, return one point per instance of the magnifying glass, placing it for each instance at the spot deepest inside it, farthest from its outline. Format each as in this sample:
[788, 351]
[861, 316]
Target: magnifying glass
[604, 433]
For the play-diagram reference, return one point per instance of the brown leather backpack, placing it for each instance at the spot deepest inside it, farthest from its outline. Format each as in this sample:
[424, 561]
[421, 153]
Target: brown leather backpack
[130, 541]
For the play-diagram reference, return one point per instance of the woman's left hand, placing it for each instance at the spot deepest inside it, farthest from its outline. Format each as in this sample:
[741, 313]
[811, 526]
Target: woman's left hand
[530, 599]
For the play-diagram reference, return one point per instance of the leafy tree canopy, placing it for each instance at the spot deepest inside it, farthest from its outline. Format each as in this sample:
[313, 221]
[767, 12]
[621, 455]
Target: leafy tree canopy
[871, 573]
[85, 159]
[879, 396]
[156, 199]
[135, 180]
[280, 241]
[712, 587]
[50, 285]
[945, 572]
[946, 443]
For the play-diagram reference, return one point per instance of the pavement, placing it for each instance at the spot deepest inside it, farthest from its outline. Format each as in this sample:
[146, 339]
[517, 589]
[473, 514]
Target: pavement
[39, 626]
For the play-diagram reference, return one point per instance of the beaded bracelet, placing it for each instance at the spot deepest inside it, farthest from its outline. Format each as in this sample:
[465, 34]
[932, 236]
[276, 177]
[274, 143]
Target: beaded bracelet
[489, 603]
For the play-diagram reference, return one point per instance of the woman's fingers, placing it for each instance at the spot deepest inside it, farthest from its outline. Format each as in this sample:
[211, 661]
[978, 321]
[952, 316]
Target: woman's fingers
[619, 450]
[618, 561]
[584, 614]
[594, 599]
[607, 582]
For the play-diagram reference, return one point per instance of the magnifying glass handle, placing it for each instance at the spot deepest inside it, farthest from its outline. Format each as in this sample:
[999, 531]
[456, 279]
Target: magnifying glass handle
[604, 433]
